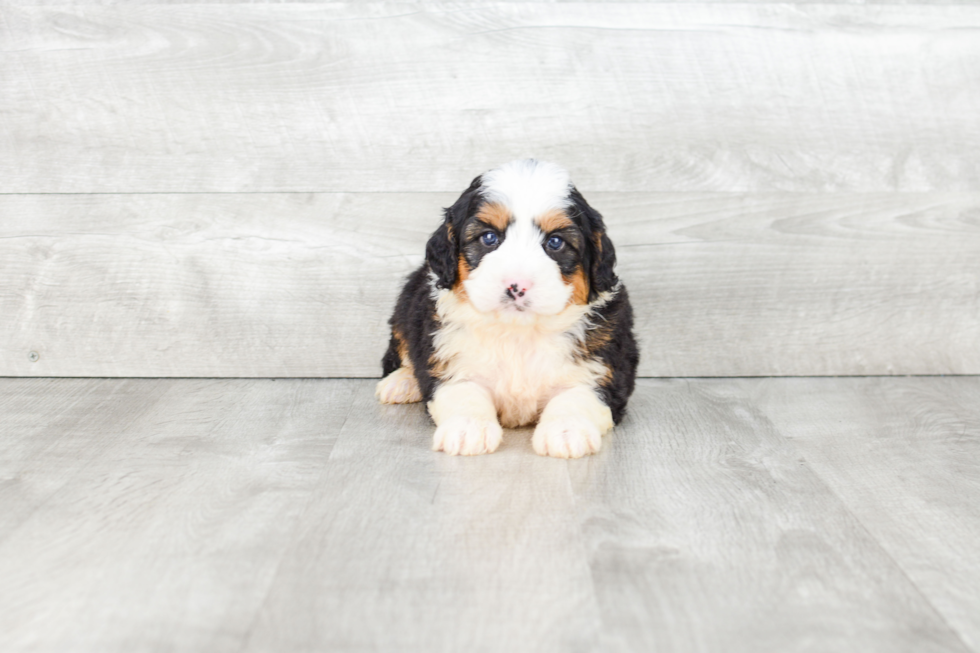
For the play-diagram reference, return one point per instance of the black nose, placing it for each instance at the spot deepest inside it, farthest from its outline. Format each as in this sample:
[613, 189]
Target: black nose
[514, 292]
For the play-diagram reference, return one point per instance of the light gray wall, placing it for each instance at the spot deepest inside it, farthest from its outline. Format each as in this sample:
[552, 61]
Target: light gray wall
[237, 189]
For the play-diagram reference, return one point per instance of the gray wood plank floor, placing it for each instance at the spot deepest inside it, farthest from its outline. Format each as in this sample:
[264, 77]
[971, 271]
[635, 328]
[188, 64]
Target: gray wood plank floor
[722, 515]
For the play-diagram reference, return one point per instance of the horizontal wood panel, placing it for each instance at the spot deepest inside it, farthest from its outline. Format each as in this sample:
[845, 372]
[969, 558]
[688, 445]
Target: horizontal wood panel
[302, 284]
[420, 97]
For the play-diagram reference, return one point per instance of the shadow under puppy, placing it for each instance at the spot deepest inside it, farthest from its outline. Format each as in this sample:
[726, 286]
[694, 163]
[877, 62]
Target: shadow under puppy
[515, 317]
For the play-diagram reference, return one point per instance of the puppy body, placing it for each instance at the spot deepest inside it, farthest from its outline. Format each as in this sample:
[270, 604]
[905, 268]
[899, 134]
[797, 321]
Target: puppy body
[516, 317]
[523, 365]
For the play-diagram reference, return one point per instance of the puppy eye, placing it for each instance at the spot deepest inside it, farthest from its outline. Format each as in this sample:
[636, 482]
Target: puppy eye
[555, 243]
[489, 239]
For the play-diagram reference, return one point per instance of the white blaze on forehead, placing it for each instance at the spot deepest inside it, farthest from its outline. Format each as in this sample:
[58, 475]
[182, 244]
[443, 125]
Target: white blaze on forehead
[528, 188]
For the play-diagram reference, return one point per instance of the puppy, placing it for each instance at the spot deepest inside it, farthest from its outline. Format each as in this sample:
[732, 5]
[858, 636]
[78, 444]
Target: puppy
[515, 317]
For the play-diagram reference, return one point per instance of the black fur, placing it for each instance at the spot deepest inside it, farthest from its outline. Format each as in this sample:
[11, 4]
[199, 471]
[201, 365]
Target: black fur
[618, 350]
[442, 250]
[471, 244]
[599, 255]
[414, 318]
[440, 254]
[611, 340]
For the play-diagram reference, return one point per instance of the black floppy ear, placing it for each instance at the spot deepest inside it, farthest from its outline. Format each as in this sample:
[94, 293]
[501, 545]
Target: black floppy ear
[601, 260]
[602, 277]
[442, 250]
[440, 253]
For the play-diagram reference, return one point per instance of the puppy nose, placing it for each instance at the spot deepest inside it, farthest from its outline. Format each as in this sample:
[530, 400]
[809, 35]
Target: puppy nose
[517, 289]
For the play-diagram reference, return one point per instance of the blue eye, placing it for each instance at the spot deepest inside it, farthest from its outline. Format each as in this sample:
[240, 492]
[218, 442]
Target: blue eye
[555, 243]
[489, 239]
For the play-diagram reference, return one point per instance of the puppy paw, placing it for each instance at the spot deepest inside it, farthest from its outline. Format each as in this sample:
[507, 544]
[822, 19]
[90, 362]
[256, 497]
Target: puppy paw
[399, 387]
[566, 437]
[467, 436]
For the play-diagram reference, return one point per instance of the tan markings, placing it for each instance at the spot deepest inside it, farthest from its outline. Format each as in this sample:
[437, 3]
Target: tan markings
[606, 379]
[596, 339]
[495, 215]
[437, 367]
[580, 287]
[401, 386]
[402, 348]
[462, 274]
[553, 221]
[462, 270]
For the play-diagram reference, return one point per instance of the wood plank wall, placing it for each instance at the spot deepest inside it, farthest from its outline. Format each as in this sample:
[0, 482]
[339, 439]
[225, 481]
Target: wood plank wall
[237, 189]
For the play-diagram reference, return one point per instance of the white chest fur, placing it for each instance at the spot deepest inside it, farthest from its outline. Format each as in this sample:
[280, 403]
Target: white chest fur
[523, 362]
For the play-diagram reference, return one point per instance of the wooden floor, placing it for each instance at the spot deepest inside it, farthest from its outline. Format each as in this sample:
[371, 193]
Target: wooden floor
[299, 515]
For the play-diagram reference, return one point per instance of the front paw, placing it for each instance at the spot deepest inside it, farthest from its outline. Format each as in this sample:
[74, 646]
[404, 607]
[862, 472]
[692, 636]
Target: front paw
[467, 436]
[399, 387]
[566, 437]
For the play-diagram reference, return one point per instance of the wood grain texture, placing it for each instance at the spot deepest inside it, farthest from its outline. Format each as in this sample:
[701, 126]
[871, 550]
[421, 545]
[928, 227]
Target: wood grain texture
[416, 97]
[51, 430]
[904, 456]
[409, 550]
[700, 517]
[302, 285]
[166, 527]
[219, 515]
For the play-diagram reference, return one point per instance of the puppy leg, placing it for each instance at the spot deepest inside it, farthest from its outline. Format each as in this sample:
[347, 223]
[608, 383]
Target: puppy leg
[466, 420]
[399, 387]
[572, 424]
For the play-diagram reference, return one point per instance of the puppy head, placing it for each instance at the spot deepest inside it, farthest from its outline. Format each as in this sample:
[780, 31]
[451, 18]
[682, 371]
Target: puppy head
[522, 241]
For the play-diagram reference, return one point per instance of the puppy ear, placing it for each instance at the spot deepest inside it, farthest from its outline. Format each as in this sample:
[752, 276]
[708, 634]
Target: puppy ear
[601, 260]
[602, 277]
[442, 251]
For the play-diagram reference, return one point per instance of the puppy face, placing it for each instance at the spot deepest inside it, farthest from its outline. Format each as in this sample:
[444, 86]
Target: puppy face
[521, 241]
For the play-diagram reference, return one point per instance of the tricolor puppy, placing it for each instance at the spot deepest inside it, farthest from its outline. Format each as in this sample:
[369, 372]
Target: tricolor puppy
[515, 317]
